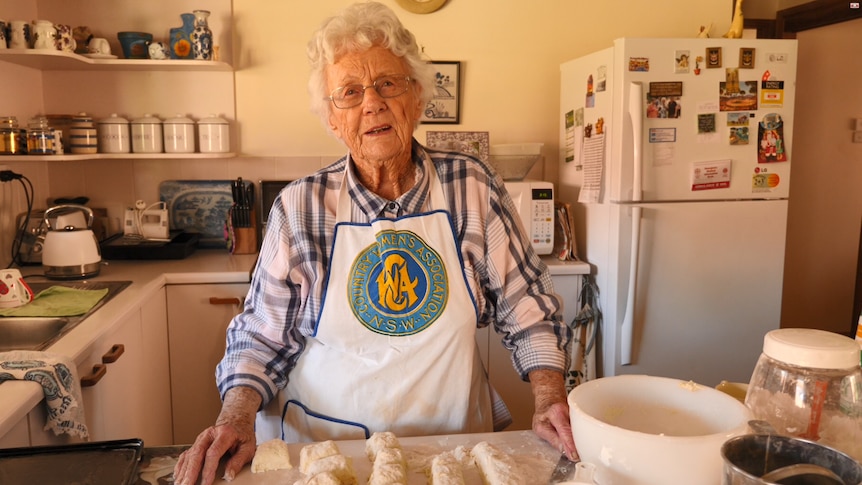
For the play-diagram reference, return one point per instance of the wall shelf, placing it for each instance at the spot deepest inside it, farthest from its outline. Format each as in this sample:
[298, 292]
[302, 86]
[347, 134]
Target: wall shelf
[114, 156]
[50, 60]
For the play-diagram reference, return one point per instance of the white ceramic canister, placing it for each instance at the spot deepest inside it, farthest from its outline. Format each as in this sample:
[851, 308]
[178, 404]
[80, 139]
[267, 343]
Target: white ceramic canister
[83, 138]
[147, 134]
[114, 135]
[44, 34]
[213, 135]
[179, 134]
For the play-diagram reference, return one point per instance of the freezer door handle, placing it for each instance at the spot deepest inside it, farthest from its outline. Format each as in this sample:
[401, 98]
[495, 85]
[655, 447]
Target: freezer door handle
[628, 323]
[636, 113]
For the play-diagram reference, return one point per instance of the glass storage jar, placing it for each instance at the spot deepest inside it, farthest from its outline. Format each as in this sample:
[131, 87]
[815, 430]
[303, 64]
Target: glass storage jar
[10, 137]
[40, 137]
[808, 383]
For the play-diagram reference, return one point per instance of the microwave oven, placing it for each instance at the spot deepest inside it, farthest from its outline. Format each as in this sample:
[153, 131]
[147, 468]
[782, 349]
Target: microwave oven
[534, 200]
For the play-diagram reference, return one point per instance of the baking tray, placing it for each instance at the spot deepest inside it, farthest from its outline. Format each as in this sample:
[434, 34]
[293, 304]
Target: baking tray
[97, 463]
[180, 246]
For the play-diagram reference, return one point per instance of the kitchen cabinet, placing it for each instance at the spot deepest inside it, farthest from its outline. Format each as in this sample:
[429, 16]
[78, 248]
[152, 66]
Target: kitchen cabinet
[53, 82]
[198, 315]
[131, 398]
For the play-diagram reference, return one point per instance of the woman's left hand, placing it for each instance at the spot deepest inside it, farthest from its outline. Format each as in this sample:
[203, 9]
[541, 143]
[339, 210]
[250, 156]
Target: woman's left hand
[551, 419]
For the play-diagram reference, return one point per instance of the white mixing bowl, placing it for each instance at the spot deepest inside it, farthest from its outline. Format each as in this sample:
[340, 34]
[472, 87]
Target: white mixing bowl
[645, 430]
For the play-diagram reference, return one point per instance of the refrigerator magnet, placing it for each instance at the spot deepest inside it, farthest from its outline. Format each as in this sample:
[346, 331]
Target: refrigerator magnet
[698, 65]
[770, 135]
[763, 181]
[713, 57]
[746, 57]
[710, 175]
[771, 94]
[639, 64]
[681, 62]
[738, 135]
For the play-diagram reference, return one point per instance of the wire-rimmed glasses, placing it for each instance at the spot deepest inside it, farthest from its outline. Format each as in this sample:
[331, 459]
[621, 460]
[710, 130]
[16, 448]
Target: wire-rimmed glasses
[386, 87]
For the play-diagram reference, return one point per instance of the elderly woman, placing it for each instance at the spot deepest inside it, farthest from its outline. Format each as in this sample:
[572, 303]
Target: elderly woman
[375, 273]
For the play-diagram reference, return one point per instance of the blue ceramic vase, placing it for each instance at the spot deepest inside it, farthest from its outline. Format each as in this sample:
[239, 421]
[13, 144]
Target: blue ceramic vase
[181, 38]
[202, 37]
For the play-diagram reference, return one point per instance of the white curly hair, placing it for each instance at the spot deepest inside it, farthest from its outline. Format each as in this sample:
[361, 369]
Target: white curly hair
[356, 28]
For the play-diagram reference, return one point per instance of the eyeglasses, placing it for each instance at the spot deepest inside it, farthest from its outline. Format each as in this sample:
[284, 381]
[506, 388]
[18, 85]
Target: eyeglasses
[386, 87]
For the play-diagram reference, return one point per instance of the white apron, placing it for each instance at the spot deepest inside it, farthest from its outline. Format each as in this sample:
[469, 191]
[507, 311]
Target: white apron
[395, 343]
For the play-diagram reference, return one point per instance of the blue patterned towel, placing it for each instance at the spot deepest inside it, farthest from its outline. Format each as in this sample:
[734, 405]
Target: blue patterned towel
[59, 380]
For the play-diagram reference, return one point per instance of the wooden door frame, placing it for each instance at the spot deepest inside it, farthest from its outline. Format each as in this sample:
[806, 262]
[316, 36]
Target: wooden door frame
[789, 21]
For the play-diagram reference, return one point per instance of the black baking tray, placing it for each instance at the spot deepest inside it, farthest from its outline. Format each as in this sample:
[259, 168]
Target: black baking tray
[96, 463]
[181, 245]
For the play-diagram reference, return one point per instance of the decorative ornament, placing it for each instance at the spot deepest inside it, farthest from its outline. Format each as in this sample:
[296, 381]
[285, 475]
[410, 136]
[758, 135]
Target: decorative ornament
[421, 6]
[736, 25]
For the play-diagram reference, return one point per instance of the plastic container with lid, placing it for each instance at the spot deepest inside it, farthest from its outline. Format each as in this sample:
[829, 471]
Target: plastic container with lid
[147, 134]
[808, 383]
[179, 134]
[213, 135]
[114, 135]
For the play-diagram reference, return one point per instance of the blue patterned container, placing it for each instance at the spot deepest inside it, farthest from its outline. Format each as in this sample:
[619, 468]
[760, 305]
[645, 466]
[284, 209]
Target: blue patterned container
[181, 38]
[202, 37]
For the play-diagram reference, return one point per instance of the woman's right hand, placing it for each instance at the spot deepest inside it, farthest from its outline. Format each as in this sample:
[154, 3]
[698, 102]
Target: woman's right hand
[232, 436]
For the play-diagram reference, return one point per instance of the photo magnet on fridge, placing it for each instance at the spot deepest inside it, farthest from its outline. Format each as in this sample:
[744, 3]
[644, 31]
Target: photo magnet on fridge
[770, 133]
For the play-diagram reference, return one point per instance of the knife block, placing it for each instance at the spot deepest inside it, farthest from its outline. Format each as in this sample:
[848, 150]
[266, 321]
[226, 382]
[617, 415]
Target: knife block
[245, 238]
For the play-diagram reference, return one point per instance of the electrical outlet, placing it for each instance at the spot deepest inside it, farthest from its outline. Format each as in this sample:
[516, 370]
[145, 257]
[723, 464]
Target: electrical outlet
[858, 124]
[857, 137]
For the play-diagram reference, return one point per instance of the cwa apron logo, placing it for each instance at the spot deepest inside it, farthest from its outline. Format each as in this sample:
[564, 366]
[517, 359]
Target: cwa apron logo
[398, 286]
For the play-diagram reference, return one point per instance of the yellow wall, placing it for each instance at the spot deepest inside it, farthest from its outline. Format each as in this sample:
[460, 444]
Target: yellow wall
[510, 52]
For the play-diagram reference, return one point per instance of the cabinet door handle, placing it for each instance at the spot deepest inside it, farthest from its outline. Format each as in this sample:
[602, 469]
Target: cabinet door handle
[91, 379]
[113, 354]
[215, 300]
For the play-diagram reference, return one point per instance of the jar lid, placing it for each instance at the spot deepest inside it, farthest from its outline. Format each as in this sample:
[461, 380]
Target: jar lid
[147, 119]
[181, 119]
[212, 120]
[808, 347]
[114, 119]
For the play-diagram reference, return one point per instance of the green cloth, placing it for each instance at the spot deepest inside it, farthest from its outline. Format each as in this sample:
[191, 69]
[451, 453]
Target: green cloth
[58, 301]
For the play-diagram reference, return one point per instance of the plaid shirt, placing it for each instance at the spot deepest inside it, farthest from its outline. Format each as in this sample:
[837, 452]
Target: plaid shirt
[511, 286]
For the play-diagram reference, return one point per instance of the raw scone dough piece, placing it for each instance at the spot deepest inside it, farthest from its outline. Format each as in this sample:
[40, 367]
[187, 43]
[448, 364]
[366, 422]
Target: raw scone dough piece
[388, 474]
[445, 470]
[271, 455]
[496, 467]
[338, 465]
[379, 441]
[388, 464]
[325, 478]
[313, 452]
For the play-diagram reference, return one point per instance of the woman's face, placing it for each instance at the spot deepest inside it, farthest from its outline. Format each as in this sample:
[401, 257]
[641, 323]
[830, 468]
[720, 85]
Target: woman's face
[378, 129]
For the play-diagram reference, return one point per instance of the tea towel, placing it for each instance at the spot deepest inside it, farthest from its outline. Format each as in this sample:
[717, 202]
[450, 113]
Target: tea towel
[58, 301]
[59, 380]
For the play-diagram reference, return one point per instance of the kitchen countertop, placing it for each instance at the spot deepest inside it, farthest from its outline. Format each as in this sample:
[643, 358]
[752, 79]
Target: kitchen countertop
[533, 456]
[17, 398]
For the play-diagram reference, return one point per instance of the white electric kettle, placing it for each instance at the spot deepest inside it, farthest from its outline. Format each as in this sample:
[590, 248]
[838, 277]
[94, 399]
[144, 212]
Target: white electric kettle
[70, 252]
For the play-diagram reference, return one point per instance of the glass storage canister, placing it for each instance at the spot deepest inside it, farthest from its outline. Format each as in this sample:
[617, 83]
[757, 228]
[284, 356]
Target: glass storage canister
[114, 134]
[10, 137]
[213, 135]
[147, 134]
[83, 138]
[808, 383]
[179, 134]
[40, 137]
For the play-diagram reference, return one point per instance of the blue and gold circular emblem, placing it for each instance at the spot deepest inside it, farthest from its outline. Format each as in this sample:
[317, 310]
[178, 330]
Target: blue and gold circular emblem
[398, 286]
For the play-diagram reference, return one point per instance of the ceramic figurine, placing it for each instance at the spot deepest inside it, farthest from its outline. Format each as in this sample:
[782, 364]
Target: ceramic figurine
[159, 51]
[82, 35]
[181, 43]
[736, 25]
[202, 37]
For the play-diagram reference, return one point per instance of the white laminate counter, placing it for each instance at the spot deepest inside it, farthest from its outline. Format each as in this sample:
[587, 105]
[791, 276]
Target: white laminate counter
[17, 398]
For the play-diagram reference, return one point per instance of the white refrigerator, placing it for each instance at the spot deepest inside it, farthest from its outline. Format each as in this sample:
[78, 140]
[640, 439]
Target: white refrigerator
[676, 156]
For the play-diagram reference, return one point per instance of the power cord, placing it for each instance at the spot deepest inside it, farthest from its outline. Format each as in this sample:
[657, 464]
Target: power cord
[8, 176]
[140, 208]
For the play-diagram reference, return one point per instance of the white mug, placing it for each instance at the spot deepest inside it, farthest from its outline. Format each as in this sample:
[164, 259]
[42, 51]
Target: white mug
[19, 34]
[14, 292]
[99, 45]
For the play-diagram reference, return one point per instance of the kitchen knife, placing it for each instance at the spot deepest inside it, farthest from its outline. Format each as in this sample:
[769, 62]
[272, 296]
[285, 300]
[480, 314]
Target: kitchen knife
[564, 471]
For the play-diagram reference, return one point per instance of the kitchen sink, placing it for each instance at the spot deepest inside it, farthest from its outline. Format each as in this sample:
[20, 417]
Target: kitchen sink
[39, 333]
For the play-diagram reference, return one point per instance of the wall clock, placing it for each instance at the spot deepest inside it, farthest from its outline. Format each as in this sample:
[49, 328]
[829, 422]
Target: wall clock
[421, 6]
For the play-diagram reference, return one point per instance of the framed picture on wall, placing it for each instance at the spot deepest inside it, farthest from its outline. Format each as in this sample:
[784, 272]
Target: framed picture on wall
[445, 105]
